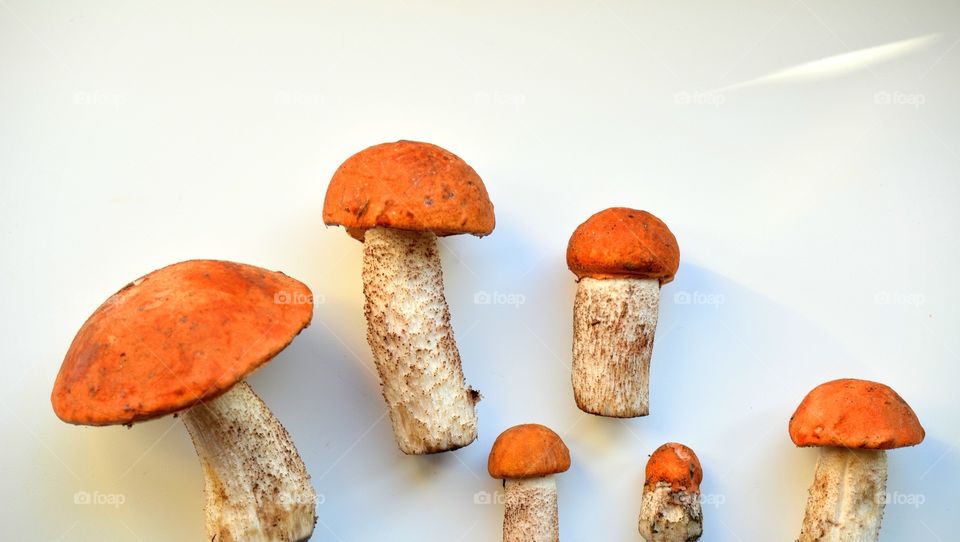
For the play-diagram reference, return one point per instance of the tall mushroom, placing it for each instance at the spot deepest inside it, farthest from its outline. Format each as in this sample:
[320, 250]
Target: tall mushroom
[671, 496]
[397, 198]
[526, 457]
[621, 257]
[853, 421]
[182, 339]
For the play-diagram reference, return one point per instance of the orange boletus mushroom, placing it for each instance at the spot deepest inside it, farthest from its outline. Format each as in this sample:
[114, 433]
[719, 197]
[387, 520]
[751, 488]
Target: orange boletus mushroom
[853, 422]
[671, 510]
[526, 457]
[181, 340]
[397, 198]
[621, 257]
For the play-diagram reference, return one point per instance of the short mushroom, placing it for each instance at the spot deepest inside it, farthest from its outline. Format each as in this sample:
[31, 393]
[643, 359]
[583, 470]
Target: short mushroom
[397, 198]
[853, 421]
[526, 457]
[181, 340]
[621, 257]
[671, 496]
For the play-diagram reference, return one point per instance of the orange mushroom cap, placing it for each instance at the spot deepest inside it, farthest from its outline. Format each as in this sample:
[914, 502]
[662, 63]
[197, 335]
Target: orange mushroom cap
[528, 451]
[408, 185]
[853, 413]
[675, 464]
[180, 335]
[621, 242]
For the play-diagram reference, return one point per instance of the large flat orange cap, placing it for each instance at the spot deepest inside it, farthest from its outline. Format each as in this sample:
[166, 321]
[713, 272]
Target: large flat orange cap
[528, 451]
[676, 465]
[180, 335]
[408, 185]
[855, 414]
[622, 242]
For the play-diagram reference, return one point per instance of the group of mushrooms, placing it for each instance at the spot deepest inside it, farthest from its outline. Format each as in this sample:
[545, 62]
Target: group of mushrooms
[182, 339]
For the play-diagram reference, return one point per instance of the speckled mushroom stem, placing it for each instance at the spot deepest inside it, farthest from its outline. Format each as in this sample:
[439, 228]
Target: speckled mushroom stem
[256, 485]
[614, 321]
[530, 510]
[408, 328]
[670, 516]
[847, 497]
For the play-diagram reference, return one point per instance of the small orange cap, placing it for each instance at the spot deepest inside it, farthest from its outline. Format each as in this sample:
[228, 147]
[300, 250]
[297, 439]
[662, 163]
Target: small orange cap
[677, 465]
[178, 336]
[528, 451]
[408, 185]
[853, 413]
[621, 242]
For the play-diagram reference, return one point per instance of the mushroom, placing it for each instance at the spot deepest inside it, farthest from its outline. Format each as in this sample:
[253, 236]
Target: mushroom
[853, 421]
[181, 340]
[397, 198]
[621, 257]
[526, 457]
[671, 496]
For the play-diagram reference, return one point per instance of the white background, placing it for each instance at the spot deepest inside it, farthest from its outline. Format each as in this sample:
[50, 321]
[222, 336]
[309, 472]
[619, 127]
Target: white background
[816, 213]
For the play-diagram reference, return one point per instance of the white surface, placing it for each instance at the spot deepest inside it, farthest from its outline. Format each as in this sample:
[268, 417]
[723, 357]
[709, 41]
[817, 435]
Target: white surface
[135, 135]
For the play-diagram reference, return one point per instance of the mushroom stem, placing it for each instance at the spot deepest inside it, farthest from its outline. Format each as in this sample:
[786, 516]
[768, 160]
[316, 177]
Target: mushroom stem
[408, 328]
[614, 321]
[670, 516]
[256, 485]
[530, 510]
[846, 499]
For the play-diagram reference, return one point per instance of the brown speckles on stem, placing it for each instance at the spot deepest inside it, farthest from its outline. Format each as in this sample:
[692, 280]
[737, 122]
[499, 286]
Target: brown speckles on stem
[409, 332]
[530, 510]
[613, 329]
[845, 500]
[667, 515]
[257, 487]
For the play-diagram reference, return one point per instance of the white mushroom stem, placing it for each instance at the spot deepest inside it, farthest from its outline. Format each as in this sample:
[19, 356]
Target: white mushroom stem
[670, 516]
[408, 328]
[614, 321]
[847, 496]
[257, 487]
[530, 510]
